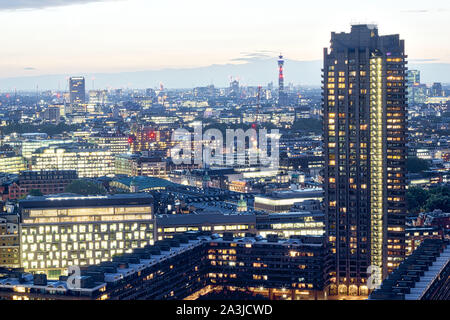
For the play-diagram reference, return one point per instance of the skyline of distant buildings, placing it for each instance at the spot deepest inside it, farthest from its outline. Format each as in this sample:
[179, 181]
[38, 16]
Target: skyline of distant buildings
[88, 179]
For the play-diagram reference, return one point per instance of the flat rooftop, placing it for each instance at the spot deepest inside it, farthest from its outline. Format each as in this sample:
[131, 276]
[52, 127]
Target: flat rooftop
[72, 200]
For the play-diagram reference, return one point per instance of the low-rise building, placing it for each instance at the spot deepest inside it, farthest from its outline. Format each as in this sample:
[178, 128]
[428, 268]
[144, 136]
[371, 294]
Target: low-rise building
[284, 225]
[190, 265]
[423, 275]
[282, 201]
[46, 181]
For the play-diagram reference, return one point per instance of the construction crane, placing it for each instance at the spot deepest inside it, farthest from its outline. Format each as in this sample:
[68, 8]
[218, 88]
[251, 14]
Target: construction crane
[258, 106]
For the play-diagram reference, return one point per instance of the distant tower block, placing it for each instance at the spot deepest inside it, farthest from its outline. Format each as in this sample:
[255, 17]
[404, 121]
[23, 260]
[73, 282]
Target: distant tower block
[280, 80]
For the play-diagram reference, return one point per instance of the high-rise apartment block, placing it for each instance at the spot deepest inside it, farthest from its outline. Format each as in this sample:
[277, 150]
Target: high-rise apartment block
[364, 92]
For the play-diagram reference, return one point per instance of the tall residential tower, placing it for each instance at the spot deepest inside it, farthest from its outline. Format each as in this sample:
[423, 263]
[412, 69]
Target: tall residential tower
[364, 96]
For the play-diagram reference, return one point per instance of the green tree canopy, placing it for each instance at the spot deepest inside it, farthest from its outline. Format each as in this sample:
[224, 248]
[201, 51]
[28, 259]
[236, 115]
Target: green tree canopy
[35, 192]
[416, 199]
[47, 128]
[416, 165]
[85, 188]
[419, 199]
[310, 125]
[439, 201]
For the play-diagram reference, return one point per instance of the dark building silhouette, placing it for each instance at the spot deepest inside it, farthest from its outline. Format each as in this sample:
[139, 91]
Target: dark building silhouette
[436, 89]
[364, 96]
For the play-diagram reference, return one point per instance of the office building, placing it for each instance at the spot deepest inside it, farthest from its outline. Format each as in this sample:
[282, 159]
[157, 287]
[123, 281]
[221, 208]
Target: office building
[60, 231]
[138, 165]
[77, 90]
[28, 146]
[51, 114]
[11, 163]
[115, 142]
[98, 97]
[436, 90]
[413, 82]
[88, 160]
[9, 240]
[234, 89]
[364, 96]
[142, 139]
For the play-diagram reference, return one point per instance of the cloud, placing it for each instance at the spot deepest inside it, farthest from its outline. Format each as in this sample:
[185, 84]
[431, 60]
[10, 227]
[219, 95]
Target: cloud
[424, 60]
[252, 56]
[415, 11]
[436, 10]
[29, 68]
[39, 4]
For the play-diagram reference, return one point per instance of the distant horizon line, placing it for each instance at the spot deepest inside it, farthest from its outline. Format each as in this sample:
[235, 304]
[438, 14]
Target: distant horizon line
[310, 72]
[157, 69]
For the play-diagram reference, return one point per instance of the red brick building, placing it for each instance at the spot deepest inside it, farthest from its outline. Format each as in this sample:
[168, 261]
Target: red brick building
[47, 182]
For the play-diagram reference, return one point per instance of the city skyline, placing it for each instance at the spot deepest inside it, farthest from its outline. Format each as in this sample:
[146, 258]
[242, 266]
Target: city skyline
[154, 36]
[212, 150]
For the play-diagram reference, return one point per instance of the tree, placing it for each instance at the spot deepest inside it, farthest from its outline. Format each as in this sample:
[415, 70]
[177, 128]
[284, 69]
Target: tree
[50, 129]
[441, 190]
[35, 193]
[85, 187]
[419, 199]
[416, 165]
[308, 125]
[438, 202]
[416, 198]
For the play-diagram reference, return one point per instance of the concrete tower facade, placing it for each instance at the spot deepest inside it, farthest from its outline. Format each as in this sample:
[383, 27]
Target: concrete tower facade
[364, 95]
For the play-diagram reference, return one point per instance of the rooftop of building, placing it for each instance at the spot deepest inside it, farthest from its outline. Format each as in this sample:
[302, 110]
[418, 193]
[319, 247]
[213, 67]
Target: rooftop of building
[74, 200]
[366, 35]
[36, 173]
[129, 264]
[292, 194]
[138, 156]
[143, 182]
[108, 135]
[232, 217]
[72, 147]
[167, 220]
[416, 273]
